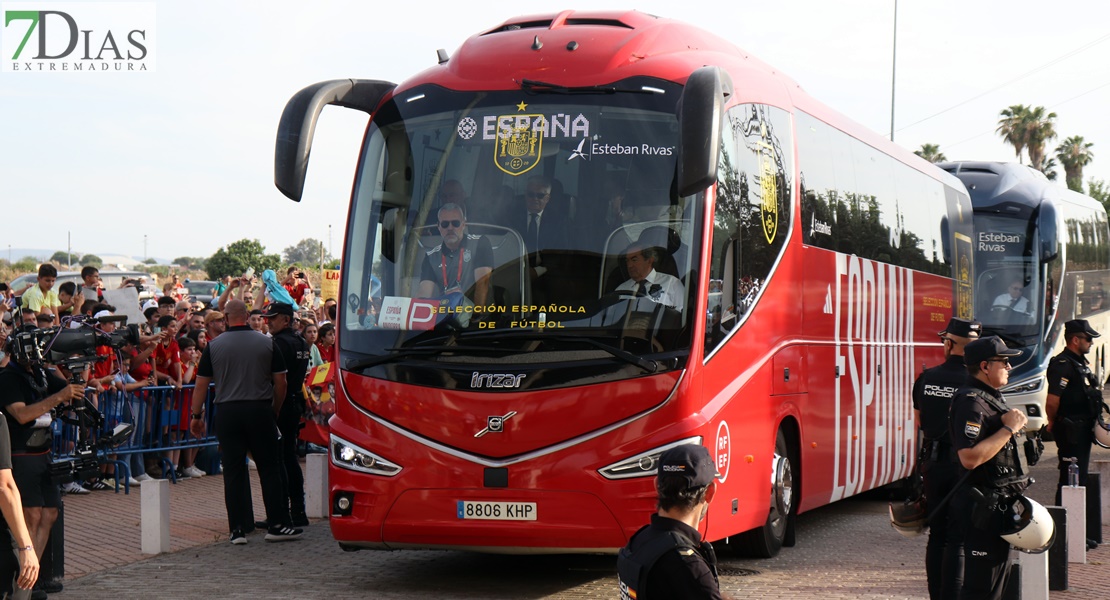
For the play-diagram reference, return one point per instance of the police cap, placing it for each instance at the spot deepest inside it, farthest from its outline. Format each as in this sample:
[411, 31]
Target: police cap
[1080, 326]
[961, 328]
[690, 462]
[985, 349]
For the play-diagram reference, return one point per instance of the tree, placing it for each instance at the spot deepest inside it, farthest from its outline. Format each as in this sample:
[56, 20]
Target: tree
[189, 262]
[306, 252]
[92, 260]
[64, 258]
[26, 264]
[1047, 166]
[1041, 129]
[1013, 127]
[931, 153]
[150, 261]
[237, 257]
[1075, 153]
[1097, 189]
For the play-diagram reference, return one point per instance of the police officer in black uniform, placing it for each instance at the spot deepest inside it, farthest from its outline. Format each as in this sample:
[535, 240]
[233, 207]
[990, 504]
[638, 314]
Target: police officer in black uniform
[985, 433]
[294, 349]
[668, 559]
[1073, 402]
[937, 461]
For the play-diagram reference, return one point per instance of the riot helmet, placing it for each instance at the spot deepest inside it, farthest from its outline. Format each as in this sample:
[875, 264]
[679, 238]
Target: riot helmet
[908, 517]
[1028, 526]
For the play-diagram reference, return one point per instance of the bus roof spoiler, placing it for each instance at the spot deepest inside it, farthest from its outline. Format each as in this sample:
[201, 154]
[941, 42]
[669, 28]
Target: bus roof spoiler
[298, 123]
[701, 111]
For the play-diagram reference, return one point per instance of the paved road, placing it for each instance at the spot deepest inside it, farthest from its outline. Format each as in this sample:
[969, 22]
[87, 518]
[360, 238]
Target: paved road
[846, 550]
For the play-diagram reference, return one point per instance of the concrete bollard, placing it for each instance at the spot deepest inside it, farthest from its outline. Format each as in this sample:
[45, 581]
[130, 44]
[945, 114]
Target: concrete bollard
[155, 516]
[1102, 467]
[316, 486]
[1034, 575]
[1074, 500]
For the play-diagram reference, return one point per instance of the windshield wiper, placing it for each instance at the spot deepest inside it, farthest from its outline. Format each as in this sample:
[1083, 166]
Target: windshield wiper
[531, 85]
[399, 353]
[647, 365]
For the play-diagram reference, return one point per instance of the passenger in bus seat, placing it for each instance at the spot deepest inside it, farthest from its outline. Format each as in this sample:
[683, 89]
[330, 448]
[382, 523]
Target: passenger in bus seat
[644, 280]
[459, 263]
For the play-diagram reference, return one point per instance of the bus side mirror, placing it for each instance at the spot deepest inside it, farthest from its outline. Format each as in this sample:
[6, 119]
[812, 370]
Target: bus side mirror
[701, 111]
[1047, 227]
[298, 123]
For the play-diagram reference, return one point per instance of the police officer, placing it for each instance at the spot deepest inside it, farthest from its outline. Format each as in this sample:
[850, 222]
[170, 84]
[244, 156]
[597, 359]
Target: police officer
[984, 431]
[668, 559]
[294, 350]
[1073, 401]
[937, 462]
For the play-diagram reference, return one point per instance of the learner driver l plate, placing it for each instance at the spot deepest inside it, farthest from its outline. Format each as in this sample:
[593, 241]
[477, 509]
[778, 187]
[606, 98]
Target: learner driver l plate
[496, 511]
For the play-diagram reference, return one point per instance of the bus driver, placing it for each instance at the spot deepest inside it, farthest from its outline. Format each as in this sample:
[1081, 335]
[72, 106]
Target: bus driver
[644, 280]
[459, 261]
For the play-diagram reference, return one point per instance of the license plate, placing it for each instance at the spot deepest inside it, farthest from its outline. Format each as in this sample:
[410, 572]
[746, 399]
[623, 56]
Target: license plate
[496, 511]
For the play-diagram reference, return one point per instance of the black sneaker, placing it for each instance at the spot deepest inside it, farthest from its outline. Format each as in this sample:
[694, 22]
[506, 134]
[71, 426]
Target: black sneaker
[50, 587]
[38, 595]
[281, 533]
[238, 538]
[261, 525]
[300, 520]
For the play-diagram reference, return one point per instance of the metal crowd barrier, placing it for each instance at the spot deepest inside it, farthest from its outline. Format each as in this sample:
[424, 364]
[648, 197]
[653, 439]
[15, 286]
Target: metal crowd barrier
[160, 416]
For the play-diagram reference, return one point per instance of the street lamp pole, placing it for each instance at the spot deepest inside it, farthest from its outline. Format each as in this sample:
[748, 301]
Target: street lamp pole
[144, 247]
[893, 69]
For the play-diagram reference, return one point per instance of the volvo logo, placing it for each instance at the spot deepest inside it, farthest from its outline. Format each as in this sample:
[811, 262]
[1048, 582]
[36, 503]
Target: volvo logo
[495, 424]
[495, 380]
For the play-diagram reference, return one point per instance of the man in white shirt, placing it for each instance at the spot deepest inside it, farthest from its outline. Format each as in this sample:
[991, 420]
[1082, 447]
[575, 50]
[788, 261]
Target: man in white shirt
[644, 280]
[1013, 298]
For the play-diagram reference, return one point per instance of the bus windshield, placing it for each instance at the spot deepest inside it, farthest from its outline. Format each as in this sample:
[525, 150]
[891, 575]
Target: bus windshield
[1009, 293]
[534, 221]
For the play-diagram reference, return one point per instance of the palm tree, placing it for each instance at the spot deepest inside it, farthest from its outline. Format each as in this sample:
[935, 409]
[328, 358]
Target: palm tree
[1013, 127]
[1047, 166]
[1074, 154]
[1041, 129]
[931, 153]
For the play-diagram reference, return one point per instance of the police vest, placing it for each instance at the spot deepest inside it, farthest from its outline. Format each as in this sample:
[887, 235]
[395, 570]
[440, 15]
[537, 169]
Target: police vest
[1091, 399]
[1008, 470]
[633, 567]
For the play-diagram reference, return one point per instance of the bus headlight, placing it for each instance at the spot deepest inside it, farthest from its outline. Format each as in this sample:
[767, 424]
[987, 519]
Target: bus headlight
[644, 464]
[1024, 387]
[346, 455]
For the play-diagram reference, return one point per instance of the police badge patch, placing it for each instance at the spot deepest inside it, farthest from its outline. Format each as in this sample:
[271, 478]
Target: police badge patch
[1063, 382]
[971, 429]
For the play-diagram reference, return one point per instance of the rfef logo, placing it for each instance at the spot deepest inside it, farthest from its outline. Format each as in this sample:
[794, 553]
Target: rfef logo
[68, 37]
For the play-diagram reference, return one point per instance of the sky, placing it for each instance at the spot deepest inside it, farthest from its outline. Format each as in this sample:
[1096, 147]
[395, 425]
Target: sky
[178, 160]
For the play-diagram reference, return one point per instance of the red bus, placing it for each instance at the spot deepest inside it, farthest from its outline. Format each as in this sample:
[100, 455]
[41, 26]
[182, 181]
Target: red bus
[504, 387]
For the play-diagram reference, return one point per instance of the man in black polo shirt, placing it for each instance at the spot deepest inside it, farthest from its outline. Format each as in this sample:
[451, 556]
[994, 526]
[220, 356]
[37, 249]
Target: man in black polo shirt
[668, 559]
[27, 395]
[295, 352]
[250, 389]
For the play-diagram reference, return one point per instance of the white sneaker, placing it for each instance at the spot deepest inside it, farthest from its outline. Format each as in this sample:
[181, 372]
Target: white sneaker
[74, 488]
[133, 481]
[142, 478]
[192, 471]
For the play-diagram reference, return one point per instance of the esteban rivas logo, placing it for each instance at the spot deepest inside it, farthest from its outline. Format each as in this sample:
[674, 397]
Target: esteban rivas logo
[77, 37]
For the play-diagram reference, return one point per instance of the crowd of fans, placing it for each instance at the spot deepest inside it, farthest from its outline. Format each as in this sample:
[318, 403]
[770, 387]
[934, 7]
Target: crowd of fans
[175, 332]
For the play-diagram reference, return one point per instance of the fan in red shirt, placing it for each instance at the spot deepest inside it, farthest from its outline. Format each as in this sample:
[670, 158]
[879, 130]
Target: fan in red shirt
[326, 342]
[296, 283]
[167, 354]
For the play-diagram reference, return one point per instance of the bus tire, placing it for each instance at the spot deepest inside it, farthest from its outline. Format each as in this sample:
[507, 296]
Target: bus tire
[778, 529]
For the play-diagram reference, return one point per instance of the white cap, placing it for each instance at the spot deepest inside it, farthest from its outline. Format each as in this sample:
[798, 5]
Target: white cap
[103, 313]
[150, 303]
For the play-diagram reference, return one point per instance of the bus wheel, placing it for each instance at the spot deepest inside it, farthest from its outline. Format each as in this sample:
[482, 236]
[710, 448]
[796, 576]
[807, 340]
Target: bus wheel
[766, 541]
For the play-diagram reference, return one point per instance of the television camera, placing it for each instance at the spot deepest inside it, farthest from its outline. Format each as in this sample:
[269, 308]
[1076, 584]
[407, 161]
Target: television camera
[73, 346]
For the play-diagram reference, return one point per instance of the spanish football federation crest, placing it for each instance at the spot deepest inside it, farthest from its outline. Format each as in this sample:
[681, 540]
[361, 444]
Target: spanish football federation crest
[518, 143]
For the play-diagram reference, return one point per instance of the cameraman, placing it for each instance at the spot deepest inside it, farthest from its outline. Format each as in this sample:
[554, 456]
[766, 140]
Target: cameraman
[28, 392]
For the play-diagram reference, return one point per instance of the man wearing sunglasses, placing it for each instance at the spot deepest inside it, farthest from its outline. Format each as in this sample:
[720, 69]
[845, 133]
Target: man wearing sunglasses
[461, 263]
[1073, 401]
[987, 437]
